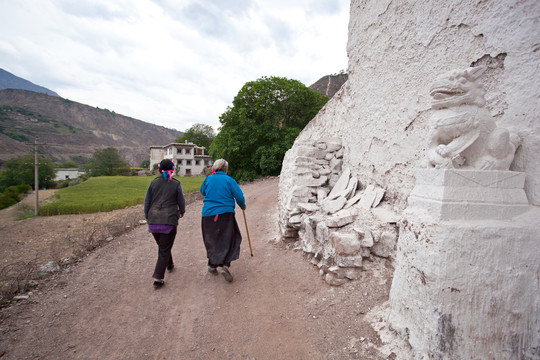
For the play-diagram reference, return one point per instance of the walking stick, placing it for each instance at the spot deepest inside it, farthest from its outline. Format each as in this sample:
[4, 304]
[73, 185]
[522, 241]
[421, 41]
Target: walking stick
[249, 241]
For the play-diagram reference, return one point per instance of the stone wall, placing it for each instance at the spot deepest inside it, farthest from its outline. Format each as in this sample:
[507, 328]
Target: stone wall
[380, 120]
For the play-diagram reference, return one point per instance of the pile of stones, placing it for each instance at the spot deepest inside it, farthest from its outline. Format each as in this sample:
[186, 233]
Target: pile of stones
[333, 217]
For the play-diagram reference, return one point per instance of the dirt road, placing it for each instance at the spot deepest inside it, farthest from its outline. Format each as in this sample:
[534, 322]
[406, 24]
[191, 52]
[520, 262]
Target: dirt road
[278, 307]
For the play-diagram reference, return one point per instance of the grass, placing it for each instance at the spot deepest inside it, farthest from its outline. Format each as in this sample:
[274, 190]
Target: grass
[107, 193]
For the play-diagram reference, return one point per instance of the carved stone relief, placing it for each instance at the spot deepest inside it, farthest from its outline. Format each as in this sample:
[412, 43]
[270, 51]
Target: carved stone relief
[463, 134]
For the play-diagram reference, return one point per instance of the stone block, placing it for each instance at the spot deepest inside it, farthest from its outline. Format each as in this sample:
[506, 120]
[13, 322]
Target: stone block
[386, 244]
[321, 195]
[350, 261]
[308, 207]
[385, 215]
[365, 237]
[334, 280]
[335, 165]
[312, 153]
[325, 170]
[341, 218]
[307, 180]
[450, 194]
[332, 147]
[322, 233]
[345, 244]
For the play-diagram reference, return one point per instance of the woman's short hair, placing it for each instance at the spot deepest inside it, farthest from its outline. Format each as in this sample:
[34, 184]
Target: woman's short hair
[220, 164]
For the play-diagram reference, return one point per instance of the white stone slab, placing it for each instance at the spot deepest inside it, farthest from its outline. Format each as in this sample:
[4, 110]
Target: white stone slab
[342, 182]
[353, 200]
[368, 197]
[351, 187]
[308, 207]
[378, 197]
[331, 206]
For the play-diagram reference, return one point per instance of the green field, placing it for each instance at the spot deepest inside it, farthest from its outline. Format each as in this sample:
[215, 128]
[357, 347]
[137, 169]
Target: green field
[107, 193]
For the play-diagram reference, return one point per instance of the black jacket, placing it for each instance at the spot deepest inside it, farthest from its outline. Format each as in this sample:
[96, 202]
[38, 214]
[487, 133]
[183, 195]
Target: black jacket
[164, 202]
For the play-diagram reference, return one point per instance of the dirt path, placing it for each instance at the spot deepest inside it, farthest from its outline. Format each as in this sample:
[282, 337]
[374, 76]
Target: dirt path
[278, 307]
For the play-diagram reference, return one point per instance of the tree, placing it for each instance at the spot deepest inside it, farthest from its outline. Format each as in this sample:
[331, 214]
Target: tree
[20, 171]
[198, 134]
[107, 162]
[68, 165]
[145, 164]
[266, 117]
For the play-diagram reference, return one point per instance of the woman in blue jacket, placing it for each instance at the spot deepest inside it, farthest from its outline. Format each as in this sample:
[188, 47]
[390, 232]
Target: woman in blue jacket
[220, 230]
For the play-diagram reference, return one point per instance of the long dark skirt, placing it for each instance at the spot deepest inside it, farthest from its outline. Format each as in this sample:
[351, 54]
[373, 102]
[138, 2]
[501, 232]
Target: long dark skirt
[222, 239]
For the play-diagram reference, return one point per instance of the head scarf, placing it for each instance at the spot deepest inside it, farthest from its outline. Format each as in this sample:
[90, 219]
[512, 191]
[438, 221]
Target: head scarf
[166, 167]
[220, 165]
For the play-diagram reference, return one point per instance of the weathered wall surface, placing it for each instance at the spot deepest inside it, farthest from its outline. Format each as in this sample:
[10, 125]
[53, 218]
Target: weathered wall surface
[380, 118]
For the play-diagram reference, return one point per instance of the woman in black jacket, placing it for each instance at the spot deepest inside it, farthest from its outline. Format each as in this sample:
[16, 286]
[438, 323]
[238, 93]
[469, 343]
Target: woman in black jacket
[164, 204]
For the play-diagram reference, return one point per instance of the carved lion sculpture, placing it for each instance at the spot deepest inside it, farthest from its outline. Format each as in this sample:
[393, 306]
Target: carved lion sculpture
[463, 134]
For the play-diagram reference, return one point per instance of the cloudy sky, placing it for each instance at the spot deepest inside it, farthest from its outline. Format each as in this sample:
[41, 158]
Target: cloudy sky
[169, 62]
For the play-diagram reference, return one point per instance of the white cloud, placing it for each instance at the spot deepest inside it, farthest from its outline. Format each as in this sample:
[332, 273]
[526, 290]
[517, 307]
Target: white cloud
[169, 62]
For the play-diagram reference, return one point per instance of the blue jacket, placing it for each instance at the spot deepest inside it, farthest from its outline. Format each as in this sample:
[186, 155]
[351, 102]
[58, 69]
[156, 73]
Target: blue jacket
[220, 191]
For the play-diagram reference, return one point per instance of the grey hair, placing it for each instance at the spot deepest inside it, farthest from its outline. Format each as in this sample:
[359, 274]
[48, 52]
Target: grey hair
[220, 164]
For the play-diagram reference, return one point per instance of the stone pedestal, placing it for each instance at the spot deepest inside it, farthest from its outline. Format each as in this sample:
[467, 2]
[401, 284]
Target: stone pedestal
[466, 281]
[469, 194]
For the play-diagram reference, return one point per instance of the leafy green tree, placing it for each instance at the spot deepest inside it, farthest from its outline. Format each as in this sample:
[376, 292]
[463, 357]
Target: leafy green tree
[266, 117]
[68, 165]
[199, 134]
[145, 164]
[20, 171]
[107, 162]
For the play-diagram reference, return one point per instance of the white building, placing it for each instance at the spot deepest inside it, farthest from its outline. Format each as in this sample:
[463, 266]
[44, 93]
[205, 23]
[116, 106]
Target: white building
[188, 158]
[66, 174]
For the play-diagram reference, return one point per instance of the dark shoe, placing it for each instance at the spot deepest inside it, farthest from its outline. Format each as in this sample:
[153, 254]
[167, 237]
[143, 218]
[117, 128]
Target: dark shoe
[158, 283]
[226, 274]
[170, 267]
[212, 270]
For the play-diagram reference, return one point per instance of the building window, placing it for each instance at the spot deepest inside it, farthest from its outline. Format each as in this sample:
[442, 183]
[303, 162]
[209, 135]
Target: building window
[188, 151]
[188, 162]
[197, 162]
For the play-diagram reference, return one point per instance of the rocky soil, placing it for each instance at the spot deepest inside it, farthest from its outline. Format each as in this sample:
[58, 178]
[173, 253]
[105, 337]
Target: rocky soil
[105, 307]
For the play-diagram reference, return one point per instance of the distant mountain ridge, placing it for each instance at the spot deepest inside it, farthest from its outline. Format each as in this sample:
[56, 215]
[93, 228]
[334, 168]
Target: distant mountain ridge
[329, 85]
[71, 130]
[10, 81]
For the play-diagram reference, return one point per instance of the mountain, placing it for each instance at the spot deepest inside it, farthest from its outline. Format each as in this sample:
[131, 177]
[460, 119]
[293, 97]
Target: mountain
[10, 81]
[330, 84]
[70, 130]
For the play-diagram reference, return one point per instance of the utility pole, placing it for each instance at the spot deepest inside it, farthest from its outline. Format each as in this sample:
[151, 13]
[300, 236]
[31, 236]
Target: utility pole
[36, 175]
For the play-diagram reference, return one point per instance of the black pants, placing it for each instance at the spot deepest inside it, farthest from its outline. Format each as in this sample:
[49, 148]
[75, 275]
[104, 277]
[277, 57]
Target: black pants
[165, 243]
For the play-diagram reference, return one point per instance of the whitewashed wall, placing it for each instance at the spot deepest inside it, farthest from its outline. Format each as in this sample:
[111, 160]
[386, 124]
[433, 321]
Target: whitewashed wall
[397, 48]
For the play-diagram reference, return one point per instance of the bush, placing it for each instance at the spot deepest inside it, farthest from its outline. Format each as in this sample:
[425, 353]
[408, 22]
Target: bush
[6, 201]
[13, 195]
